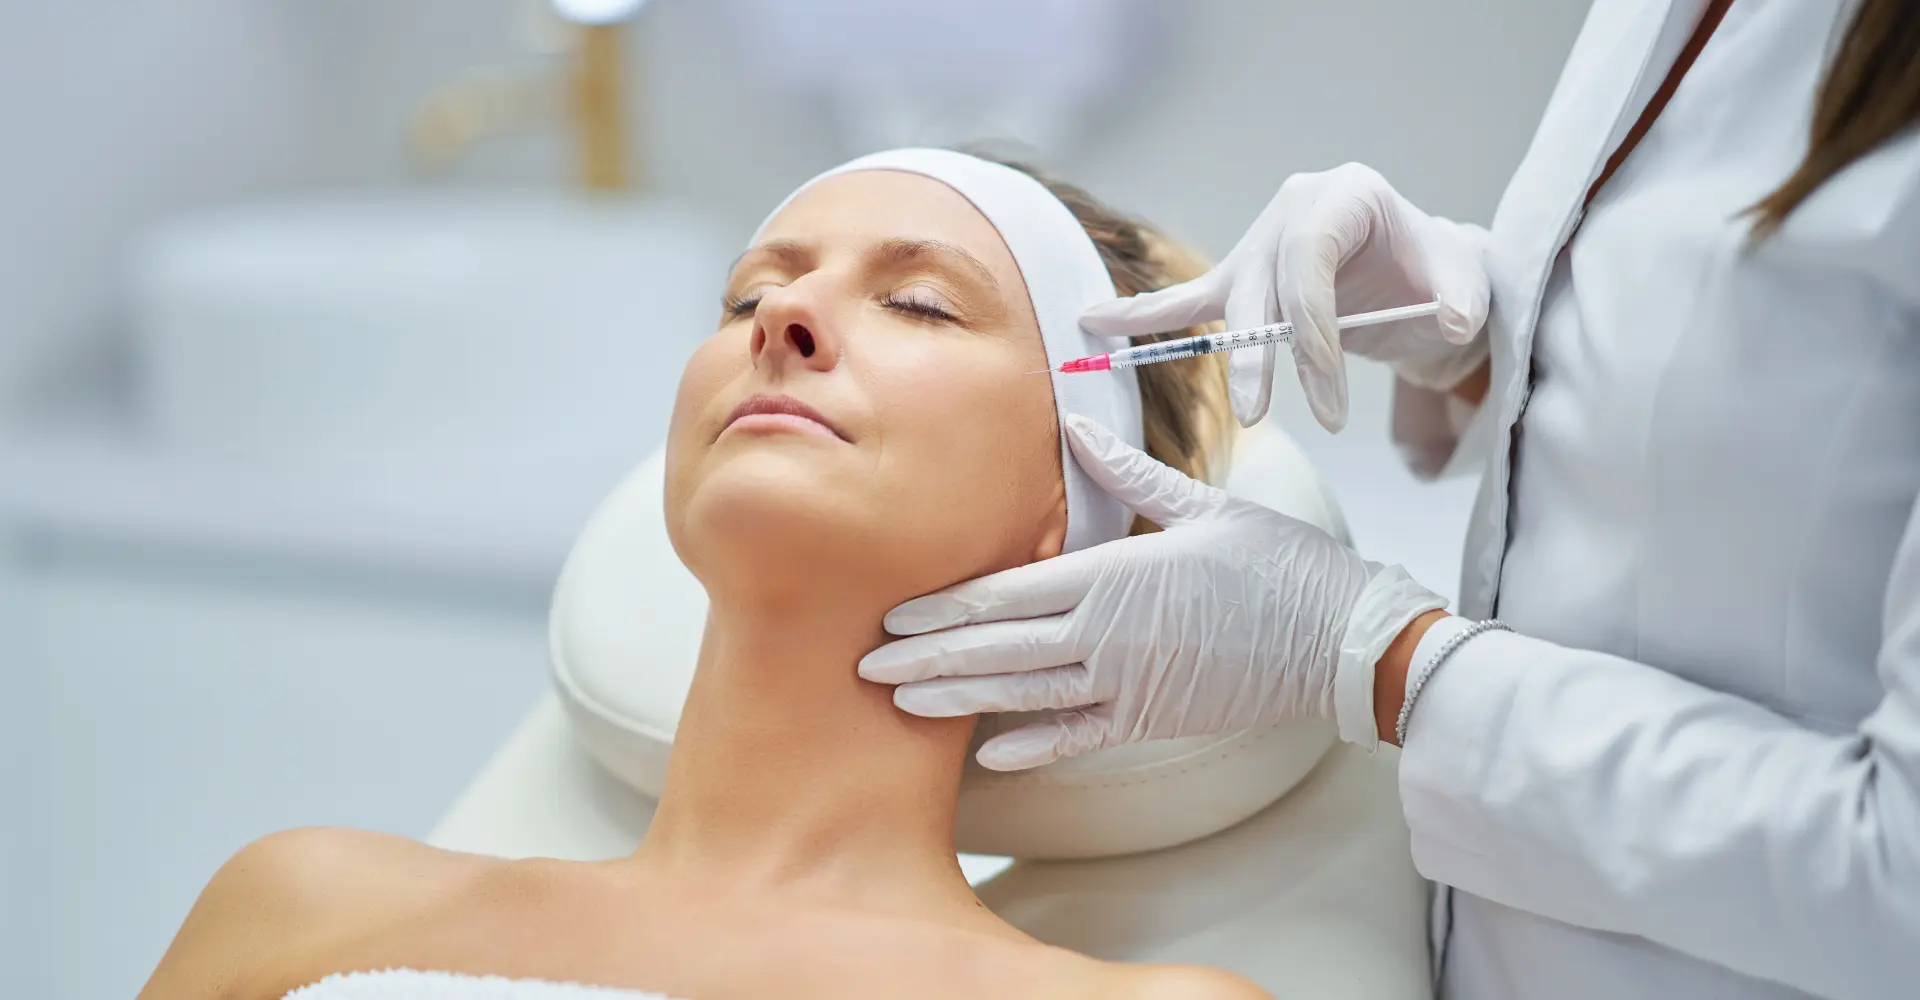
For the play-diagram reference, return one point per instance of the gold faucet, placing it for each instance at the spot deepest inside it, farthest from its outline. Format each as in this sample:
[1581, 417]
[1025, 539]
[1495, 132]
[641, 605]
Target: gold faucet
[590, 96]
[599, 108]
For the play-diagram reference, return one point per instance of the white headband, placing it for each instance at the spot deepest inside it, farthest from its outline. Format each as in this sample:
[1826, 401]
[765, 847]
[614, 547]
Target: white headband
[1064, 276]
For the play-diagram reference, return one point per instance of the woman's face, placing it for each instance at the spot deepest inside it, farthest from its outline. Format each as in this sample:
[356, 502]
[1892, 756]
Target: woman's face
[864, 414]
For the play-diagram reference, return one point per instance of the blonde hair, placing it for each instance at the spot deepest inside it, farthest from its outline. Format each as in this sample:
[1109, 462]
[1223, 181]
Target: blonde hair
[1187, 421]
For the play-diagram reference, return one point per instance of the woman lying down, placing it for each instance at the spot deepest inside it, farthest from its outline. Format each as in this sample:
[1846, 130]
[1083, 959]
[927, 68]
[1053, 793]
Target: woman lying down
[861, 429]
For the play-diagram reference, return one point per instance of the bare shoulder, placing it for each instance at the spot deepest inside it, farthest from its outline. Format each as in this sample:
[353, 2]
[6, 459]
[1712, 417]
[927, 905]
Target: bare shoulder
[310, 879]
[1186, 982]
[290, 893]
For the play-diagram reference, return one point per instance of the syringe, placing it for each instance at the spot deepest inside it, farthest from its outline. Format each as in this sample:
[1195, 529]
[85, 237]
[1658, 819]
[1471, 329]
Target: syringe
[1228, 340]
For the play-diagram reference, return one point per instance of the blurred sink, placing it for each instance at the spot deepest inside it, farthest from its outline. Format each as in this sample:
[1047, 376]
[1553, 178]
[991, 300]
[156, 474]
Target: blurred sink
[424, 332]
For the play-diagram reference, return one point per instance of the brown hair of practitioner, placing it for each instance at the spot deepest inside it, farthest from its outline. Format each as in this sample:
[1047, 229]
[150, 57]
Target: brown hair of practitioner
[1870, 94]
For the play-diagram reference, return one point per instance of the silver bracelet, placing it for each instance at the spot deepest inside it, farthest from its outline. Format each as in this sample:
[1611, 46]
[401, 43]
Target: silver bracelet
[1439, 657]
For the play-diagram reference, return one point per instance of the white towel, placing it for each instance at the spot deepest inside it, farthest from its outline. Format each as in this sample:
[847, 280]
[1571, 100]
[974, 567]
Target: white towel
[407, 984]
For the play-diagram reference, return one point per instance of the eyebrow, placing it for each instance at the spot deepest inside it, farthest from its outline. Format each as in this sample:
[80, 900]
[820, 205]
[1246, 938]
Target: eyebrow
[796, 255]
[792, 254]
[904, 251]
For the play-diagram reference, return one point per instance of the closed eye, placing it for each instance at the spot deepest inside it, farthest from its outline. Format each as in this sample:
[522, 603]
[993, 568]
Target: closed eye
[743, 303]
[921, 306]
[737, 306]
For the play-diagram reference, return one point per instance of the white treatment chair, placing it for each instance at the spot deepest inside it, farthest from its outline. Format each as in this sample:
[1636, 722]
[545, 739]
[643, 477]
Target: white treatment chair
[1278, 854]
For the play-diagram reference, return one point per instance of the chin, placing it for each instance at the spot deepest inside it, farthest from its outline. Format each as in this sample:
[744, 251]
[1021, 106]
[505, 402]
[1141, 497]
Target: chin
[770, 516]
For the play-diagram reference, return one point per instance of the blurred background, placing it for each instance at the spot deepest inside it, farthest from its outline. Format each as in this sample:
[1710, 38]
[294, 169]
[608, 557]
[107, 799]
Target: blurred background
[324, 325]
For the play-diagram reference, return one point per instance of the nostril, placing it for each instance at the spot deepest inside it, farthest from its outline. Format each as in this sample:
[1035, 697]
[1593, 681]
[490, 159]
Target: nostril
[802, 339]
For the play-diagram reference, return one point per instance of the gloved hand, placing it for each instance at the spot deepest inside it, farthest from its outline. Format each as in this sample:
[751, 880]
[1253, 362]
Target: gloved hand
[1232, 617]
[1342, 236]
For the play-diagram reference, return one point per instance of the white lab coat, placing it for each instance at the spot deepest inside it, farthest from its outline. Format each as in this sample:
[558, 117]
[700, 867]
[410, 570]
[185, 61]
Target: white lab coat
[1695, 772]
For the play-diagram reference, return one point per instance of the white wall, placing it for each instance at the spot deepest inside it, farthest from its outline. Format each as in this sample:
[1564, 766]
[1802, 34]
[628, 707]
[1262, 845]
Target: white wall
[118, 111]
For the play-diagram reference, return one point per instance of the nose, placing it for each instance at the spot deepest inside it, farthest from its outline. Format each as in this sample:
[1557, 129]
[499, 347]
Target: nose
[791, 329]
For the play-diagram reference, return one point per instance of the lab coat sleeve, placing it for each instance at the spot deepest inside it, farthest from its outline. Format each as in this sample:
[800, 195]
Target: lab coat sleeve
[1439, 435]
[1612, 795]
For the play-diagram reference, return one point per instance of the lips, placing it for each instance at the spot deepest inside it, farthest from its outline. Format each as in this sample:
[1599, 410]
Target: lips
[774, 413]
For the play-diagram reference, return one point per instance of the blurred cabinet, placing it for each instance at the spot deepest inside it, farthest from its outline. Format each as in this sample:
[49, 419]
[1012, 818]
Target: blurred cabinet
[24, 842]
[171, 703]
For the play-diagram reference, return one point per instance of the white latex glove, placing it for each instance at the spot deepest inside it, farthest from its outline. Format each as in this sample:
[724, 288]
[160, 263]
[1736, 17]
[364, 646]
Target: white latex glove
[1233, 617]
[1331, 244]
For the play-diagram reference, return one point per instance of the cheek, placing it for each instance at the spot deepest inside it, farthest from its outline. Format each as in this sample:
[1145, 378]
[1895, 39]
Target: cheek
[716, 364]
[972, 445]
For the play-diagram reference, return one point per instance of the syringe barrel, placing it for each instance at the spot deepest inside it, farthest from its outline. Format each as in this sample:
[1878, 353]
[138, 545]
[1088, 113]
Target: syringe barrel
[1206, 343]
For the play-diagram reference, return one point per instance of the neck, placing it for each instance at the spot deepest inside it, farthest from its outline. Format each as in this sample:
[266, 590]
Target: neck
[788, 767]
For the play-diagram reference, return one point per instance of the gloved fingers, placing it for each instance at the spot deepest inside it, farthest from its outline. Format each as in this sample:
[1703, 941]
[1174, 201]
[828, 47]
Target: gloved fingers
[1252, 303]
[1250, 382]
[1326, 390]
[1460, 285]
[1310, 255]
[1070, 686]
[1175, 307]
[1048, 587]
[1160, 493]
[1067, 734]
[976, 650]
